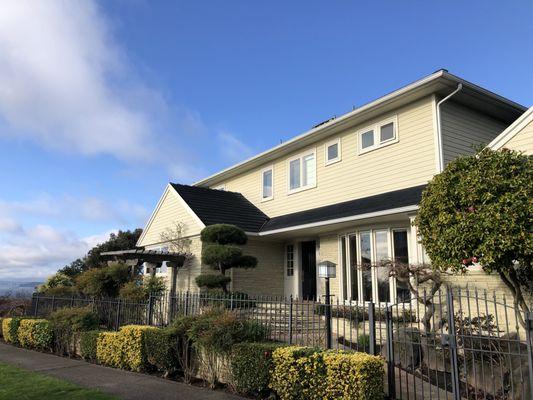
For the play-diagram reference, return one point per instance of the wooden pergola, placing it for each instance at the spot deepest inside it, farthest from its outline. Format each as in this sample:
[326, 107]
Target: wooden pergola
[151, 258]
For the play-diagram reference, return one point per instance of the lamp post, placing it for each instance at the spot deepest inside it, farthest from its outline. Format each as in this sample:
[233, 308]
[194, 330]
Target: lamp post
[327, 269]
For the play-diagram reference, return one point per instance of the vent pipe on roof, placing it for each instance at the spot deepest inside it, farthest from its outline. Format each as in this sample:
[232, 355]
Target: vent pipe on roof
[439, 128]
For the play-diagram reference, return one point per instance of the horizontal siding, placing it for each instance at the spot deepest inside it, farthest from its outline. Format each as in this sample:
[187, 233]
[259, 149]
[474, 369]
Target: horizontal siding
[523, 140]
[170, 212]
[463, 129]
[409, 162]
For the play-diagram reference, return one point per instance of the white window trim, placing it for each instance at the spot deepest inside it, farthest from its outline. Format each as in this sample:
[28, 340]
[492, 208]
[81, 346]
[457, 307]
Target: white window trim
[300, 156]
[269, 168]
[287, 260]
[339, 152]
[219, 187]
[376, 128]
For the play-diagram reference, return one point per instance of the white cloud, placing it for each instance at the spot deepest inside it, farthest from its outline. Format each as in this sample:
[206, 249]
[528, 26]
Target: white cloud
[232, 148]
[41, 250]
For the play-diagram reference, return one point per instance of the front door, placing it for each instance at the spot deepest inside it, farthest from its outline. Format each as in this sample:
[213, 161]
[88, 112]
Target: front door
[309, 270]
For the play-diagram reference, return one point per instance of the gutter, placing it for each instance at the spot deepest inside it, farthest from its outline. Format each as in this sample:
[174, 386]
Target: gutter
[439, 127]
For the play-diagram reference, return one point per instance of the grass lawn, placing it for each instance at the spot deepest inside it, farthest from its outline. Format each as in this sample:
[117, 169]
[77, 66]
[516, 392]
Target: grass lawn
[19, 384]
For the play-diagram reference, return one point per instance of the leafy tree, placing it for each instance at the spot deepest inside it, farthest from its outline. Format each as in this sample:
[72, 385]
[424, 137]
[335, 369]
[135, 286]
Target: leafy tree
[123, 240]
[480, 210]
[73, 269]
[222, 252]
[58, 279]
[105, 281]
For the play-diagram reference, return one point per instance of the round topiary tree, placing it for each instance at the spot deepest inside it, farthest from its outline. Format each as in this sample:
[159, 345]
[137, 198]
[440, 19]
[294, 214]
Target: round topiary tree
[480, 210]
[222, 252]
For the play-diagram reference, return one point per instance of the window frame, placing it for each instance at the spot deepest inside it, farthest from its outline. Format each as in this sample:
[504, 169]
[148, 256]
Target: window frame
[291, 268]
[221, 186]
[376, 129]
[336, 141]
[300, 157]
[266, 169]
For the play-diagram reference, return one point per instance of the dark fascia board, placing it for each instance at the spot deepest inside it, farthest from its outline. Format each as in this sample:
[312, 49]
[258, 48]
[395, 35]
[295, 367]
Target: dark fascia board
[438, 82]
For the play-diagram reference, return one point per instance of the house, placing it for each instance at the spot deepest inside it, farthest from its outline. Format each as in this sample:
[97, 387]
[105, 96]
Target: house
[345, 191]
[518, 136]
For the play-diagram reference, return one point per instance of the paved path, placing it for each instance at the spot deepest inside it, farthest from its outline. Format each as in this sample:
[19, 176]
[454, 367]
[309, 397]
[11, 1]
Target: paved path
[123, 384]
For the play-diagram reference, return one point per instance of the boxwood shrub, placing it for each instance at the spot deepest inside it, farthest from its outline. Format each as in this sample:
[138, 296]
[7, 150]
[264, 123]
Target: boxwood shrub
[161, 349]
[88, 340]
[35, 334]
[109, 349]
[307, 373]
[251, 365]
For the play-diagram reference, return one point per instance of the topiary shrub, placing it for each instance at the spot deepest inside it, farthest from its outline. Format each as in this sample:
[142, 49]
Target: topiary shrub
[212, 281]
[357, 376]
[88, 344]
[223, 234]
[251, 365]
[35, 334]
[298, 373]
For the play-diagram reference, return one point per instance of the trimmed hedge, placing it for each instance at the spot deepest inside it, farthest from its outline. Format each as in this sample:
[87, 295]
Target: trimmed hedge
[35, 334]
[10, 328]
[355, 376]
[124, 349]
[251, 365]
[88, 340]
[161, 349]
[305, 373]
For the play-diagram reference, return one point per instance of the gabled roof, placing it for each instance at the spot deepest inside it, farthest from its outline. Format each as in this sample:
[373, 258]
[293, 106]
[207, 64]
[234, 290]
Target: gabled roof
[512, 130]
[440, 83]
[367, 207]
[221, 207]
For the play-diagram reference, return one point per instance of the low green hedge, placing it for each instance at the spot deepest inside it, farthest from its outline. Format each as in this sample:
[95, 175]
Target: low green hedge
[305, 373]
[88, 340]
[124, 349]
[35, 334]
[10, 328]
[161, 348]
[251, 365]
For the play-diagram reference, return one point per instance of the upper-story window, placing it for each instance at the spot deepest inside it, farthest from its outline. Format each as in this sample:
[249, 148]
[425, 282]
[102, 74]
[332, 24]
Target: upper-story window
[333, 151]
[378, 135]
[267, 184]
[302, 171]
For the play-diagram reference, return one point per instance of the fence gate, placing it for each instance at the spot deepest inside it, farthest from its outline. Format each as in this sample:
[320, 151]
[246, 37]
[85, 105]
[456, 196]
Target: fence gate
[462, 344]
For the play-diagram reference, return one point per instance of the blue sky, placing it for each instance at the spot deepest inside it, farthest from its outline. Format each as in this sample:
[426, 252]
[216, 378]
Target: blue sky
[103, 103]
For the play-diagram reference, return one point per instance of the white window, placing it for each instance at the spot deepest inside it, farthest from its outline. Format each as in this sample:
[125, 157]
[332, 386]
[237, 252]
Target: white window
[290, 260]
[267, 184]
[302, 172]
[365, 265]
[220, 187]
[333, 151]
[378, 135]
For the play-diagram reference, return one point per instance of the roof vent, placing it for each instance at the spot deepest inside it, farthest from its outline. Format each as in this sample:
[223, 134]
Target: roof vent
[325, 122]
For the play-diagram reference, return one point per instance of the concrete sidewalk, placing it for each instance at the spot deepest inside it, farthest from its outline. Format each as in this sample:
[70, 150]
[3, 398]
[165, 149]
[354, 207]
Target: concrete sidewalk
[123, 384]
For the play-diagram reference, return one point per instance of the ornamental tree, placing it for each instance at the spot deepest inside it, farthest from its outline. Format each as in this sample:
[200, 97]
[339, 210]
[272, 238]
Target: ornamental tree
[222, 252]
[480, 210]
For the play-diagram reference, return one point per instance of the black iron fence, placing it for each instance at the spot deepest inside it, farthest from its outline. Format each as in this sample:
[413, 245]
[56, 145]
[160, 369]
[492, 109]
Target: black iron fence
[451, 345]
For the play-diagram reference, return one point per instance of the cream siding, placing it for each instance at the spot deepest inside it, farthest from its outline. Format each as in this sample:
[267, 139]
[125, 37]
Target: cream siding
[463, 129]
[169, 212]
[267, 277]
[408, 163]
[523, 140]
[192, 268]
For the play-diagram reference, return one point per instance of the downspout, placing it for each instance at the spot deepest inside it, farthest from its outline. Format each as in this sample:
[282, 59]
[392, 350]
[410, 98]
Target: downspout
[439, 128]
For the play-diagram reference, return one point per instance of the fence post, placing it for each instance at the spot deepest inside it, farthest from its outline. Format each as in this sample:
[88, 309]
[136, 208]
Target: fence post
[290, 319]
[35, 304]
[529, 337]
[53, 303]
[372, 328]
[391, 376]
[231, 301]
[150, 310]
[452, 343]
[72, 301]
[117, 320]
[187, 303]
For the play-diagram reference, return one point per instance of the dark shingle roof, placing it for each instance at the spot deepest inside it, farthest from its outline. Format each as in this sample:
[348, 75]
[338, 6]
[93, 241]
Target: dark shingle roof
[222, 207]
[381, 202]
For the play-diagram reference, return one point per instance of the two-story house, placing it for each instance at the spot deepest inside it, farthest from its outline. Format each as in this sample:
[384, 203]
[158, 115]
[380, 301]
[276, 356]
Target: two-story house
[345, 191]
